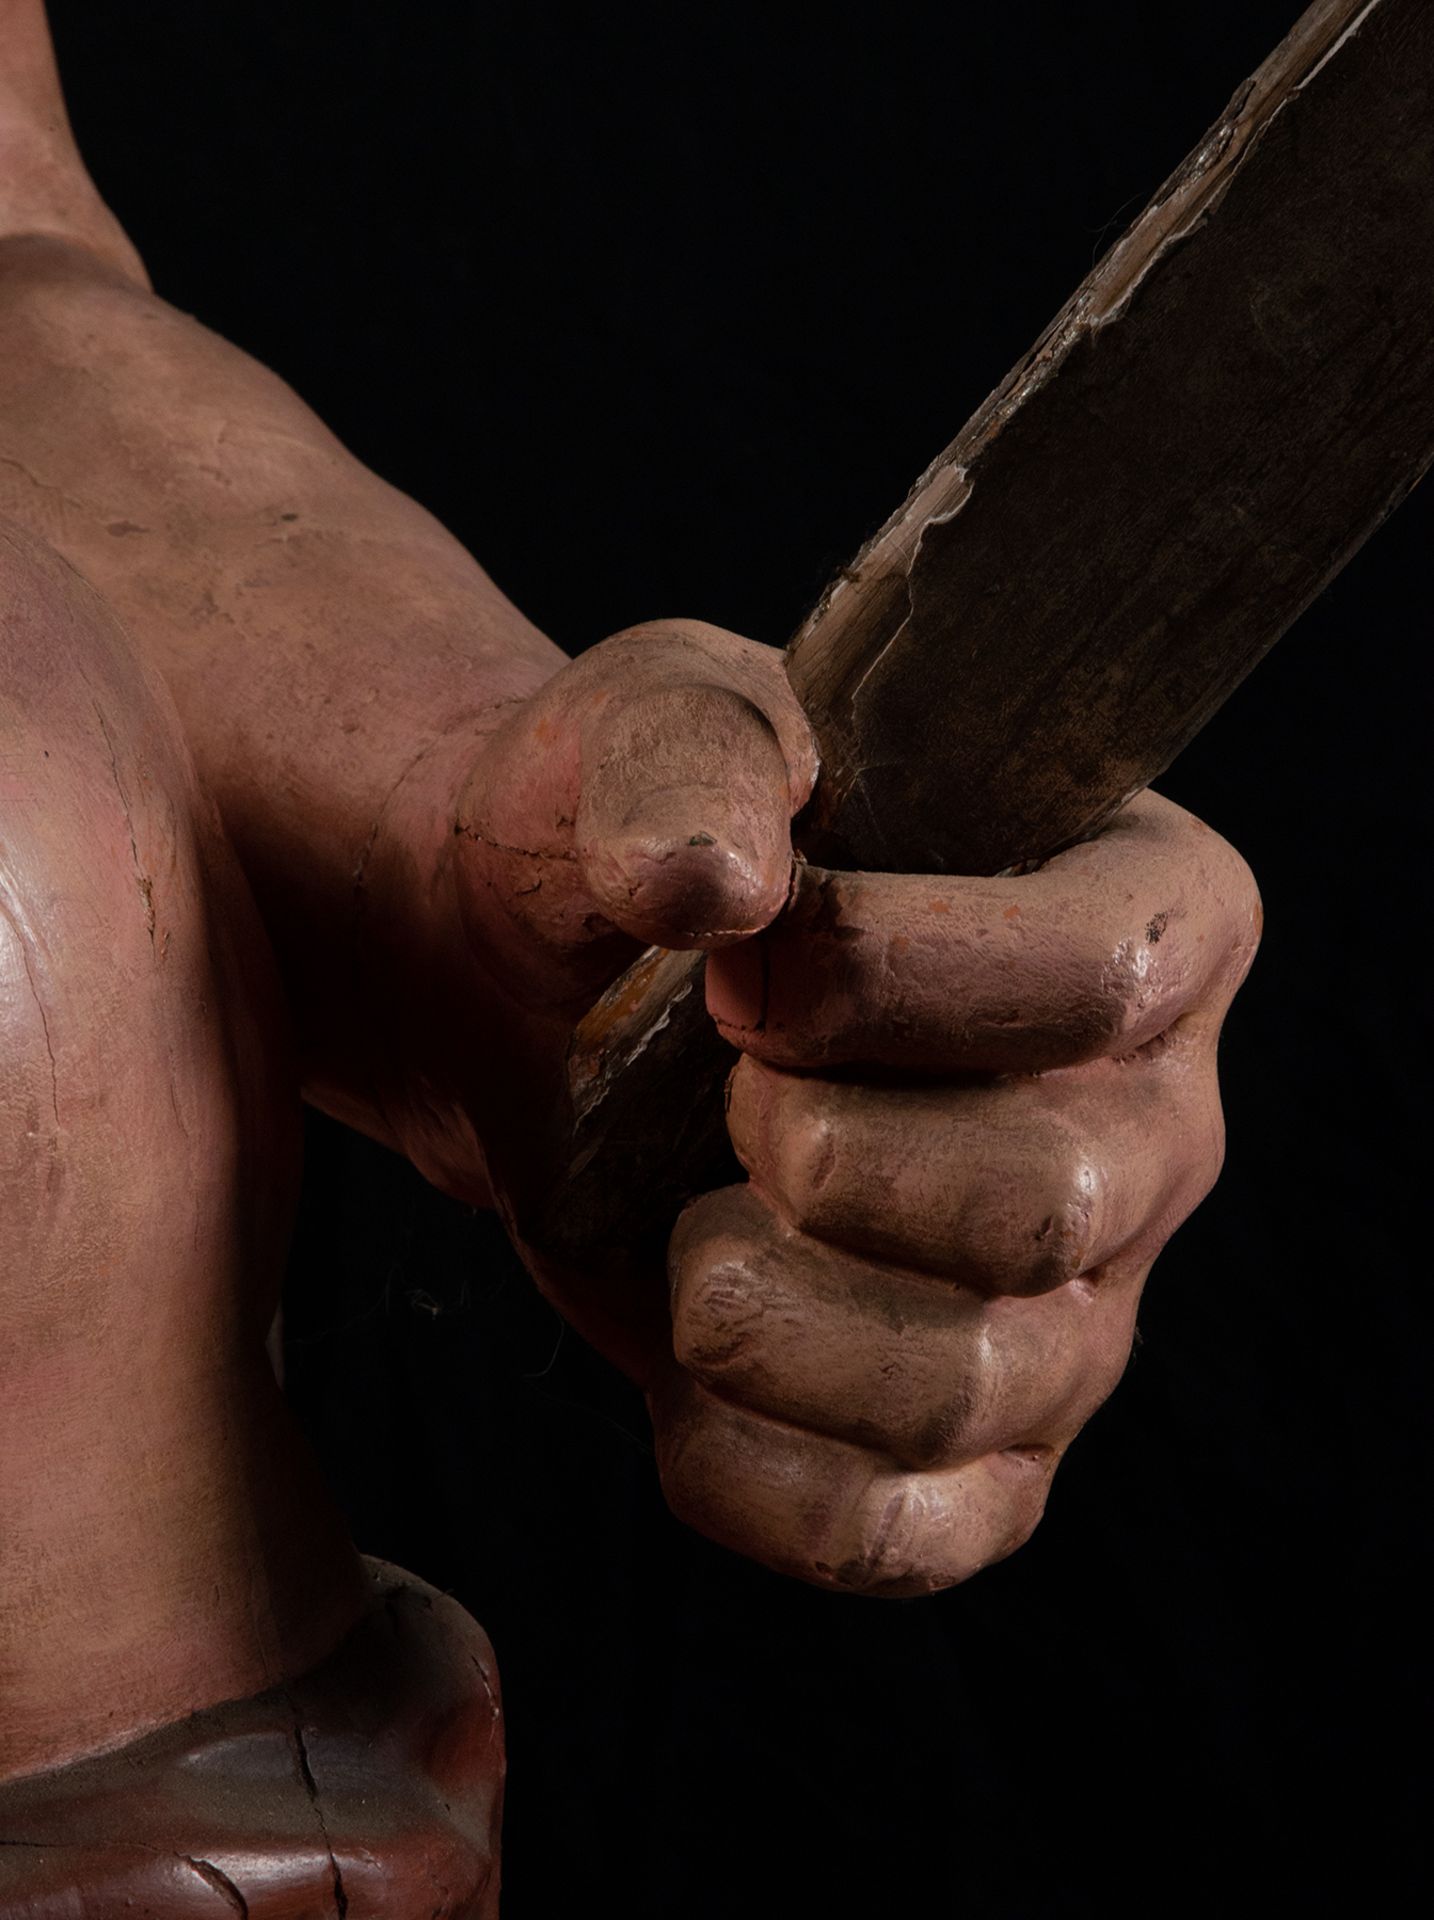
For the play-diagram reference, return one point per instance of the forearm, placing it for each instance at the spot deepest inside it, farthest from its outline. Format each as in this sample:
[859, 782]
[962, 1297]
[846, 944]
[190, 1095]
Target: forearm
[336, 717]
[336, 699]
[336, 704]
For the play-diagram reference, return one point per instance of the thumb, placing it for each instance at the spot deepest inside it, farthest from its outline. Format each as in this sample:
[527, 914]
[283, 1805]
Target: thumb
[683, 827]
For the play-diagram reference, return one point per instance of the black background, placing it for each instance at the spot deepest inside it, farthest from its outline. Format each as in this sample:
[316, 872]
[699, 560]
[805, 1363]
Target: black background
[661, 308]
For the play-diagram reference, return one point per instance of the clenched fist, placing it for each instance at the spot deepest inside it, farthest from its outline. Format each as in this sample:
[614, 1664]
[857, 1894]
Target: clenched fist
[972, 1110]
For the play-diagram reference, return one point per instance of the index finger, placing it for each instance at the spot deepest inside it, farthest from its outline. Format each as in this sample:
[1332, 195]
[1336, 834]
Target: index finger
[1096, 953]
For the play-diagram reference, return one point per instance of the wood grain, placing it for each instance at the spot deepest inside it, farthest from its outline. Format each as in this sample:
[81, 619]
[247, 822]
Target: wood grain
[1235, 398]
[1240, 392]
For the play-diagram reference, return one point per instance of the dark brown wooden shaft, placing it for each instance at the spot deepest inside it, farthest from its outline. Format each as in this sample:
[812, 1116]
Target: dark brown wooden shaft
[1226, 409]
[1234, 399]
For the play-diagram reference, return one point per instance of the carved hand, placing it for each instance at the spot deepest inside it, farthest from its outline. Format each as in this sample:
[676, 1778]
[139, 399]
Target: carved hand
[972, 1110]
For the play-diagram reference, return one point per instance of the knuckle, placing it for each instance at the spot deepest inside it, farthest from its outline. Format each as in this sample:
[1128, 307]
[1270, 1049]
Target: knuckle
[744, 1106]
[716, 1317]
[920, 1400]
[760, 1100]
[716, 1285]
[1035, 1234]
[878, 1547]
[804, 1162]
[1128, 985]
[1062, 1237]
[915, 1533]
[834, 1513]
[1108, 980]
[786, 1138]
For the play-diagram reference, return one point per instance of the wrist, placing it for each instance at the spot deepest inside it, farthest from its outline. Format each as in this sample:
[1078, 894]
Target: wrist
[443, 1041]
[377, 1015]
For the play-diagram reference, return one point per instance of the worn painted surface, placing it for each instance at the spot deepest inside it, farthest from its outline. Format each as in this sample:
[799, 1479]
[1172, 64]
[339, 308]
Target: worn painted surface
[1240, 392]
[370, 1785]
[164, 1540]
[970, 1110]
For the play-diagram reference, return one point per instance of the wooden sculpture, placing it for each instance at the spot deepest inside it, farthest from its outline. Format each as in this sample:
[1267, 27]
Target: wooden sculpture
[291, 798]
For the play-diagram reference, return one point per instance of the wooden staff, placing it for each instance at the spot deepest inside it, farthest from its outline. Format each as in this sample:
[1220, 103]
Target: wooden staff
[1226, 408]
